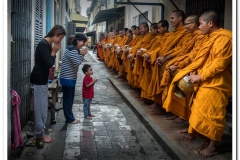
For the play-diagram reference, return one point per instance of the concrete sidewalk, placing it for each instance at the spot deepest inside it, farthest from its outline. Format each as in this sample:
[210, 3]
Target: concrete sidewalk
[164, 131]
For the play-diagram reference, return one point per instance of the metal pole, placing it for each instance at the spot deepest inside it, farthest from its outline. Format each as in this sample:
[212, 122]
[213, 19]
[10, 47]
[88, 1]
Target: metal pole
[174, 5]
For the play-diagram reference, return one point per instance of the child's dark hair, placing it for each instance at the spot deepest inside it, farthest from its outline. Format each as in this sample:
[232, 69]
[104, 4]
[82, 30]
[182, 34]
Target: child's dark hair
[85, 68]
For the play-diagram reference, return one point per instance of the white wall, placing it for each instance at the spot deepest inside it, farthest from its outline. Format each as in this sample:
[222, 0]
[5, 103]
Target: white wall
[169, 7]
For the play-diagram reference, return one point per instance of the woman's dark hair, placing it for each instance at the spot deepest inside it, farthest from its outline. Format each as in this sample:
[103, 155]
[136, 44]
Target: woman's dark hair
[56, 30]
[70, 39]
[85, 68]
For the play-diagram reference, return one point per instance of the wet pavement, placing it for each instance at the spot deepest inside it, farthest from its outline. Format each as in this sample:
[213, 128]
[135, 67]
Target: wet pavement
[109, 135]
[115, 132]
[124, 128]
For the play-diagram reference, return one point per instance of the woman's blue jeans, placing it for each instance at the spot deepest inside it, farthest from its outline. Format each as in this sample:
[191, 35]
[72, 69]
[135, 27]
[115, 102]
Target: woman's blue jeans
[68, 97]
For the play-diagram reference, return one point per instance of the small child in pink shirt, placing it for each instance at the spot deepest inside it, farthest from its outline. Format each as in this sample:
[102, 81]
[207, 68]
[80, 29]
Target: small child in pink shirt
[87, 90]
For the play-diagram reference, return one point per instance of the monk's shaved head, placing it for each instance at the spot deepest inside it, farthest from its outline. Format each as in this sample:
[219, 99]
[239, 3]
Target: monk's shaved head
[180, 13]
[145, 24]
[211, 16]
[194, 18]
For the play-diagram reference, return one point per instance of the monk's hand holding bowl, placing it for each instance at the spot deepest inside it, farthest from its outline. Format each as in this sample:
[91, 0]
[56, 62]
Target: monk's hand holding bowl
[139, 52]
[194, 78]
[160, 60]
[146, 56]
[172, 68]
[130, 56]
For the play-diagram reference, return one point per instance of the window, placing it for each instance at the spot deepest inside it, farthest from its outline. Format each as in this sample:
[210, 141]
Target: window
[142, 18]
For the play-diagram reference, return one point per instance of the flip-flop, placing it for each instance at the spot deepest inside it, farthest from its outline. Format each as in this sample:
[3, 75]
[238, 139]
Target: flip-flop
[31, 144]
[40, 145]
[49, 137]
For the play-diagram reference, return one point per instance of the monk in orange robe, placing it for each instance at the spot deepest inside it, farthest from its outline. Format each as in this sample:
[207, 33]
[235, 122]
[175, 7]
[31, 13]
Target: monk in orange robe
[191, 24]
[137, 39]
[213, 85]
[107, 48]
[173, 45]
[121, 43]
[99, 46]
[147, 71]
[118, 42]
[138, 67]
[125, 64]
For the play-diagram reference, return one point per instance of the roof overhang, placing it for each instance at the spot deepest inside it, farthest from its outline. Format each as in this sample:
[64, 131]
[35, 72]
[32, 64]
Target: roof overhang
[109, 15]
[90, 34]
[77, 18]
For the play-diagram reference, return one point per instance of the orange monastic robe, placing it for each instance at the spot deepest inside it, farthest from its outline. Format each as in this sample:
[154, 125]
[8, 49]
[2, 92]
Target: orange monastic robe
[138, 66]
[129, 68]
[147, 66]
[100, 49]
[125, 63]
[183, 40]
[208, 112]
[192, 48]
[107, 52]
[117, 63]
[209, 106]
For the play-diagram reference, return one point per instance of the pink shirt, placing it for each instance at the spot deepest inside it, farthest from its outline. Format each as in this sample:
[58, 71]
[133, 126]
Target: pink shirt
[87, 92]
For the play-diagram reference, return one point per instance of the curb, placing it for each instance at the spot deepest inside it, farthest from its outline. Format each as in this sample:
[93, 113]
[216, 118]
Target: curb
[169, 147]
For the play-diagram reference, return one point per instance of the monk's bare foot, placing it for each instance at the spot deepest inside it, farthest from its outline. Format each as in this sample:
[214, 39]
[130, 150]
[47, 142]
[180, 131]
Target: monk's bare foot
[124, 80]
[183, 130]
[208, 152]
[152, 105]
[188, 137]
[158, 111]
[178, 120]
[171, 117]
[198, 149]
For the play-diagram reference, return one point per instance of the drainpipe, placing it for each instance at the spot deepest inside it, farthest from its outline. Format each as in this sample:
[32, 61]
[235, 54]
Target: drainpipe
[139, 3]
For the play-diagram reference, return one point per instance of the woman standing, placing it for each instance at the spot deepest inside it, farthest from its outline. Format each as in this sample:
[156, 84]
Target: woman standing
[72, 58]
[45, 55]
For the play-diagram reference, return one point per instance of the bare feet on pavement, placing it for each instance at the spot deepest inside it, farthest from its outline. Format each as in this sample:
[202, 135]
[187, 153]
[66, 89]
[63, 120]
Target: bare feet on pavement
[188, 137]
[178, 120]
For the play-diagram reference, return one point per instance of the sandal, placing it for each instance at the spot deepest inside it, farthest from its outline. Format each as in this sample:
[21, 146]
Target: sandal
[31, 144]
[39, 145]
[49, 137]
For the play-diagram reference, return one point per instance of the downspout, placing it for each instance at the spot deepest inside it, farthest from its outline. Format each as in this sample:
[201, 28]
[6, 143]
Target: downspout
[139, 3]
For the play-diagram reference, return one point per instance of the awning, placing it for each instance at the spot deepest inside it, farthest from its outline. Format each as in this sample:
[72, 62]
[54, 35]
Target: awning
[90, 34]
[77, 18]
[109, 15]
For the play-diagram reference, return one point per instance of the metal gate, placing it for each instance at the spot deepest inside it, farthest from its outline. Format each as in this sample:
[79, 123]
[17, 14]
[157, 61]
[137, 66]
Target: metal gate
[198, 7]
[21, 54]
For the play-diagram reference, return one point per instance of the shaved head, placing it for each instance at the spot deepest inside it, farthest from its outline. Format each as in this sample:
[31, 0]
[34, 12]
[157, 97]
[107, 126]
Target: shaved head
[194, 18]
[211, 16]
[180, 13]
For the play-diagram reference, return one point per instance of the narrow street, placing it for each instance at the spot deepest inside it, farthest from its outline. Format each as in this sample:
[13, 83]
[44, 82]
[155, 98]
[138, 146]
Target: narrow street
[115, 132]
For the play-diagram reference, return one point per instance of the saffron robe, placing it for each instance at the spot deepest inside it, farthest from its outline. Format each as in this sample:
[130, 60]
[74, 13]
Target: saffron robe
[214, 63]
